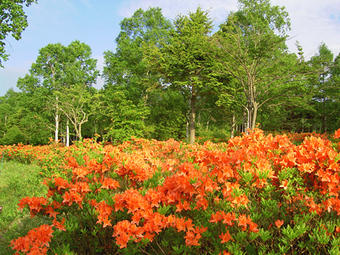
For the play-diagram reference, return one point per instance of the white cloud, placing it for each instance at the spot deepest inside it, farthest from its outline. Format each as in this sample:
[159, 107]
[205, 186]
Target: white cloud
[313, 21]
[218, 9]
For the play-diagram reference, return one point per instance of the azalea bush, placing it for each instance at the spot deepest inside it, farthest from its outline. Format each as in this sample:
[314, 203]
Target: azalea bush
[255, 194]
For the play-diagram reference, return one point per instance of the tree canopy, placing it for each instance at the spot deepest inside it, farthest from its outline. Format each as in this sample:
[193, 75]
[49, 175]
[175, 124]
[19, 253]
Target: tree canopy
[181, 78]
[13, 21]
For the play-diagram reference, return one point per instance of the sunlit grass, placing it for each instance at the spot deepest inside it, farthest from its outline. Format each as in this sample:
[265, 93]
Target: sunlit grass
[17, 181]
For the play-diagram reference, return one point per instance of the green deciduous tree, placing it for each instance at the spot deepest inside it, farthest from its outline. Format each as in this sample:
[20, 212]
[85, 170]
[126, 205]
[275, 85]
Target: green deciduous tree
[184, 61]
[252, 50]
[121, 117]
[168, 109]
[334, 94]
[126, 66]
[127, 74]
[48, 72]
[23, 120]
[76, 103]
[325, 84]
[58, 68]
[13, 21]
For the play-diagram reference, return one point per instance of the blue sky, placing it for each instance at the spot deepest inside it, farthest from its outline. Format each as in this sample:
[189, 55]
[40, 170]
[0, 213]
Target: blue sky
[96, 23]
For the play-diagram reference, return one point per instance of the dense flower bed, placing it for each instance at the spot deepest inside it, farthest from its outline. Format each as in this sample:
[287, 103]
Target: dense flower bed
[256, 194]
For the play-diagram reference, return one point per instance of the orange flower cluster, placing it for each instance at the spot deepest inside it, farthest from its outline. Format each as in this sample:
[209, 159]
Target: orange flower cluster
[35, 204]
[36, 242]
[300, 137]
[142, 188]
[104, 212]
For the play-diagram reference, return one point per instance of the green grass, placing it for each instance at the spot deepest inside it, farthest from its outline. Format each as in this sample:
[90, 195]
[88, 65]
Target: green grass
[17, 181]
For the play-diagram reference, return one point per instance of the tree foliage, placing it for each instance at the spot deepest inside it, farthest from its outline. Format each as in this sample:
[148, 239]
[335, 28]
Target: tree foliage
[176, 79]
[252, 50]
[13, 21]
[184, 61]
[65, 74]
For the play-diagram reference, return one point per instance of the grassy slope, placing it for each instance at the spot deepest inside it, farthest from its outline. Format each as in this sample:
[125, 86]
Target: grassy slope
[17, 181]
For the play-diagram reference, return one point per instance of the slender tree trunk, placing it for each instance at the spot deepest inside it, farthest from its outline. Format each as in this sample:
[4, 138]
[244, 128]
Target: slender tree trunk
[80, 136]
[77, 128]
[56, 133]
[67, 133]
[77, 132]
[254, 115]
[192, 121]
[245, 121]
[187, 131]
[323, 122]
[233, 126]
[252, 103]
[248, 118]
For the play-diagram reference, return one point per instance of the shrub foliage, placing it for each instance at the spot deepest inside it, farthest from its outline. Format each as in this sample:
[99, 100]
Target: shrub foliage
[256, 194]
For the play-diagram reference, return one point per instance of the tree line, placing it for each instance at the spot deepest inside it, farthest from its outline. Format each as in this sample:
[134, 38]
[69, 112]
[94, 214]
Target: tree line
[177, 79]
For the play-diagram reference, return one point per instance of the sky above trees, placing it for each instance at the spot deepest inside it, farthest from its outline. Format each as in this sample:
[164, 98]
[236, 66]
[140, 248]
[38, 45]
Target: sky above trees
[97, 24]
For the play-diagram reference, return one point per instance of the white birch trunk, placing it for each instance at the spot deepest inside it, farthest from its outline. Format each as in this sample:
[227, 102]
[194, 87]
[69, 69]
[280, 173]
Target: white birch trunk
[67, 134]
[233, 126]
[56, 133]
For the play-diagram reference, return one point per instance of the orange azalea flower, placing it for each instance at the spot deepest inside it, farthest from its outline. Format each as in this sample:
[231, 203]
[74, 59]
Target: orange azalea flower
[217, 200]
[51, 212]
[307, 167]
[218, 216]
[224, 253]
[61, 183]
[72, 162]
[81, 187]
[191, 239]
[337, 133]
[182, 206]
[59, 225]
[81, 172]
[180, 224]
[225, 237]
[34, 203]
[149, 236]
[284, 184]
[243, 221]
[122, 240]
[240, 200]
[229, 218]
[253, 227]
[71, 197]
[279, 223]
[35, 242]
[104, 211]
[109, 183]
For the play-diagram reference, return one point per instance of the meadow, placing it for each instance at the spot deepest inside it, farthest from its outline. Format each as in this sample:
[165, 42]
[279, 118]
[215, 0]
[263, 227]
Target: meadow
[17, 180]
[255, 194]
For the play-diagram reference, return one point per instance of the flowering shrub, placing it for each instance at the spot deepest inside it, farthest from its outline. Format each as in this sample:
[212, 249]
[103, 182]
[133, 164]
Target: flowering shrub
[35, 242]
[256, 194]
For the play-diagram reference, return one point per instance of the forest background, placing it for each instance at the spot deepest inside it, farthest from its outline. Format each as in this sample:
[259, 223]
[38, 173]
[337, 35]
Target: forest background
[178, 78]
